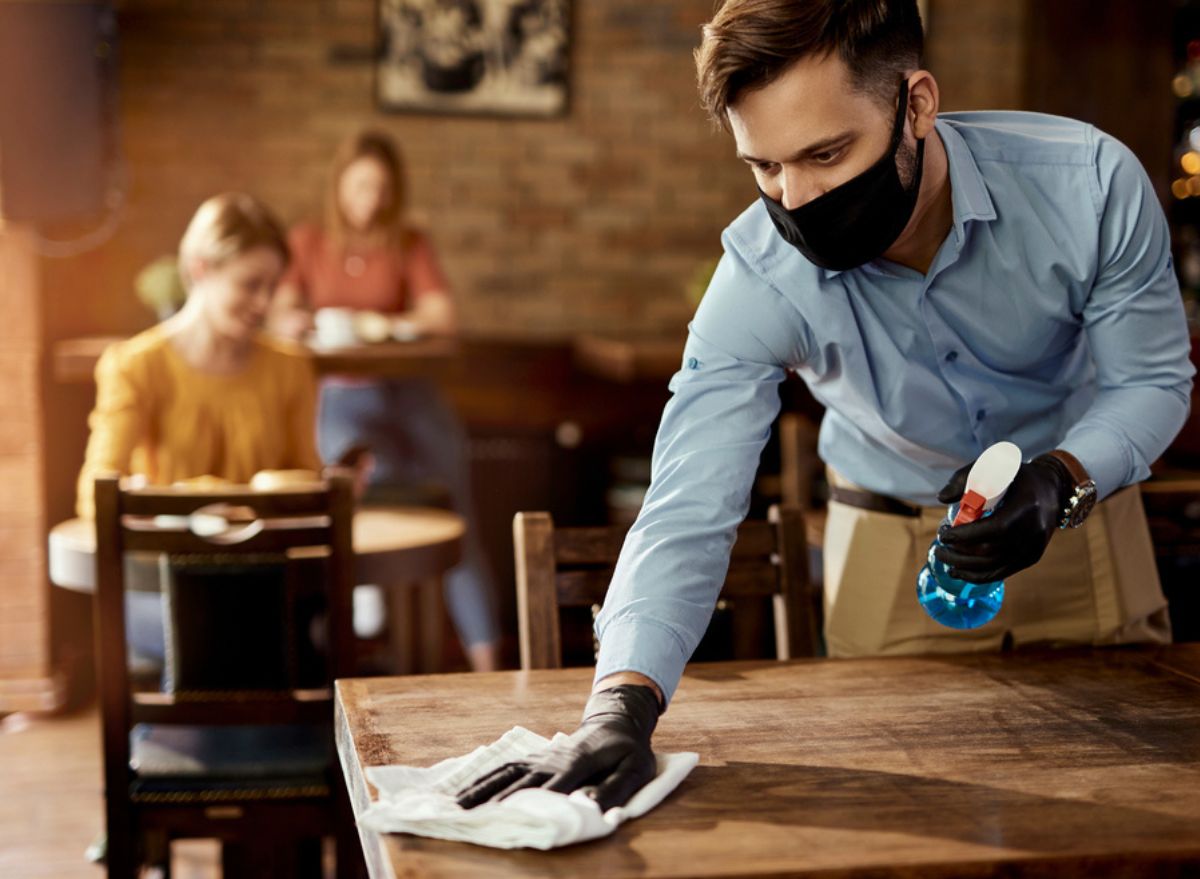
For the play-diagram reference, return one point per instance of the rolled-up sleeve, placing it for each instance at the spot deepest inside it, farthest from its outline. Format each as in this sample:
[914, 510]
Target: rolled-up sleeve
[724, 400]
[1136, 331]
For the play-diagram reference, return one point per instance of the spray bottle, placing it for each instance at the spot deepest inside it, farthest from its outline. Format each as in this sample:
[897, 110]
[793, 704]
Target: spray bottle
[950, 601]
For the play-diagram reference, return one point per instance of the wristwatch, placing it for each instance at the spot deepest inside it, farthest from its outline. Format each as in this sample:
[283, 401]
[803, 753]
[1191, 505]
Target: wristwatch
[1082, 499]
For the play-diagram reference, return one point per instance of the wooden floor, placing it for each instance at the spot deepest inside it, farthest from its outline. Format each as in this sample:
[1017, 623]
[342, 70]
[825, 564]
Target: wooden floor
[51, 805]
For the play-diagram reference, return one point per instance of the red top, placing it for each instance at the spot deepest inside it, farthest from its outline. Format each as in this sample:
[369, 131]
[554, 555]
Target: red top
[970, 508]
[385, 280]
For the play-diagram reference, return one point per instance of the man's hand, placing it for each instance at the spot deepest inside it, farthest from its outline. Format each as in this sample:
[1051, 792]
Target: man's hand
[610, 752]
[1018, 531]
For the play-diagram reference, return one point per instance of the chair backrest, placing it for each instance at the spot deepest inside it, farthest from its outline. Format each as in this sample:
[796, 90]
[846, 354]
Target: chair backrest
[799, 464]
[279, 545]
[800, 469]
[572, 567]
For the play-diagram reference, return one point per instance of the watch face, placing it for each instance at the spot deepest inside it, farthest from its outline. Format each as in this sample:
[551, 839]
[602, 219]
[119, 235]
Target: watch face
[1082, 504]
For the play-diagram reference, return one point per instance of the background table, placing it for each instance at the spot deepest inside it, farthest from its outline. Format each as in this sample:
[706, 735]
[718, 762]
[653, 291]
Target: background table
[629, 359]
[74, 360]
[1059, 765]
[405, 550]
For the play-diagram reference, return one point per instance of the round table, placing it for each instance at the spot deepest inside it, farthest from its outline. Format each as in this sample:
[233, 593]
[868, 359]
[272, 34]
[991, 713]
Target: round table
[405, 550]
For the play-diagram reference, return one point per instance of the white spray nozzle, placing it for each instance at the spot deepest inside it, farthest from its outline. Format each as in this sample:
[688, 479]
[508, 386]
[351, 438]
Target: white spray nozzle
[989, 478]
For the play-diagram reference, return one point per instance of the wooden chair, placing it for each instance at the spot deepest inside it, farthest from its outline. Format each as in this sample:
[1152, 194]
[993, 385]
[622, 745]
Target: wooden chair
[238, 746]
[572, 567]
[800, 468]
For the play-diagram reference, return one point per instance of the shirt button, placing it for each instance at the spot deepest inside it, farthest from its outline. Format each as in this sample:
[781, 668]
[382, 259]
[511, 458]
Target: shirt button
[980, 415]
[693, 363]
[951, 356]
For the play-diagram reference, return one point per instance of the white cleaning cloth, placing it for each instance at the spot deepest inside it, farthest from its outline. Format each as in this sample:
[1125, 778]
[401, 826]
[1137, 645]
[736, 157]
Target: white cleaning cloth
[421, 801]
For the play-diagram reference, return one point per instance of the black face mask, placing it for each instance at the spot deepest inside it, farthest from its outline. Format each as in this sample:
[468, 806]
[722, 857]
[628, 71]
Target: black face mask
[856, 222]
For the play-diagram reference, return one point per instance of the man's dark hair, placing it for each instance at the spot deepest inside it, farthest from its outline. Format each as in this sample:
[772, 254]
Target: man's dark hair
[750, 43]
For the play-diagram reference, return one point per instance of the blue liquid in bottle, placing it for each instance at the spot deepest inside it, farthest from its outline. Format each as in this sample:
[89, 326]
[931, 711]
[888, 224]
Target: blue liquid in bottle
[953, 602]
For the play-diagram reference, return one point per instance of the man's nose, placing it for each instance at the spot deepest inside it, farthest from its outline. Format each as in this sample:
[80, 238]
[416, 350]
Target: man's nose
[797, 189]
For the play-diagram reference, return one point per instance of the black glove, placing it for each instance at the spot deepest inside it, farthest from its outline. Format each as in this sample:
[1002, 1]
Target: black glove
[610, 750]
[1015, 535]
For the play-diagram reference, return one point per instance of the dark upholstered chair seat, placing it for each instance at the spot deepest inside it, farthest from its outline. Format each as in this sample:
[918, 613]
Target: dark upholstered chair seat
[161, 751]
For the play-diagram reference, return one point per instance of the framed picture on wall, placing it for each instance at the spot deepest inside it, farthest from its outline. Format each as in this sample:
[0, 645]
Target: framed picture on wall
[494, 57]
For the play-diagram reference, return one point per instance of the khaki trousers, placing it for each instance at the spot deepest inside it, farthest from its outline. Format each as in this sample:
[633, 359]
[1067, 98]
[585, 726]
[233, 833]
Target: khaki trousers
[1094, 585]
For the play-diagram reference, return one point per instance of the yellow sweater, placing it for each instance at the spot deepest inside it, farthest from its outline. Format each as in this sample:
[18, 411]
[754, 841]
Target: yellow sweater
[156, 415]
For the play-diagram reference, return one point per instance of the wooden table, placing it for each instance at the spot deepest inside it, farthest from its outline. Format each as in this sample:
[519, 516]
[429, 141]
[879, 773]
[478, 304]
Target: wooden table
[629, 358]
[406, 550]
[1066, 764]
[387, 359]
[75, 359]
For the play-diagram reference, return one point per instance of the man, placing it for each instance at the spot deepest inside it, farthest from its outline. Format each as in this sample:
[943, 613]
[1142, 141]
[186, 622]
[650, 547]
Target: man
[941, 284]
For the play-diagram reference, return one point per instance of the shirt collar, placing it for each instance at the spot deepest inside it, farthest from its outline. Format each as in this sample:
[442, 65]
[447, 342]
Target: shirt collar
[969, 196]
[968, 193]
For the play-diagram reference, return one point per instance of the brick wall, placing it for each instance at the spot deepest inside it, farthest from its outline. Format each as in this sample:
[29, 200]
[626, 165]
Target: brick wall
[544, 226]
[977, 49]
[24, 603]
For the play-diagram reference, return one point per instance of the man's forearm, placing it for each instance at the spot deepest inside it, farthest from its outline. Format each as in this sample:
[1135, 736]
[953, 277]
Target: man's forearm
[1126, 429]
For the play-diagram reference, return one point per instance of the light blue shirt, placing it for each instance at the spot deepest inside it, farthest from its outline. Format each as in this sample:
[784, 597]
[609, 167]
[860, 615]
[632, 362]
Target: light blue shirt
[1050, 317]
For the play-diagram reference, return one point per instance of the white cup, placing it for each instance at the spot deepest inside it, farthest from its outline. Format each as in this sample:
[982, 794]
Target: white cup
[335, 327]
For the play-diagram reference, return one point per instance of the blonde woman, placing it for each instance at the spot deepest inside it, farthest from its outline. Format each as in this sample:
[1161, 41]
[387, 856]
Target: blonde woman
[368, 256]
[205, 392]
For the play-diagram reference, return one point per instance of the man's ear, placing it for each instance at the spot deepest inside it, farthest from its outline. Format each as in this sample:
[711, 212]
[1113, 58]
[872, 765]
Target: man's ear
[923, 101]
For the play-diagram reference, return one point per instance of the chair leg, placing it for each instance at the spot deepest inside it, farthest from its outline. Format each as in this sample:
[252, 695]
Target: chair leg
[347, 844]
[240, 860]
[234, 860]
[432, 615]
[307, 856]
[402, 630]
[120, 850]
[156, 853]
[295, 858]
[350, 861]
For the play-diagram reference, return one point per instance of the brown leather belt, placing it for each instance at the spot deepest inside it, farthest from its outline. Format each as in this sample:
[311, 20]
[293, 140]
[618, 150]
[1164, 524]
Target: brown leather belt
[868, 500]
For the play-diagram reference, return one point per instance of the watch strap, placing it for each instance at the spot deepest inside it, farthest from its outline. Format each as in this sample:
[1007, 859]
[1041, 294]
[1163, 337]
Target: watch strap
[1080, 495]
[1078, 473]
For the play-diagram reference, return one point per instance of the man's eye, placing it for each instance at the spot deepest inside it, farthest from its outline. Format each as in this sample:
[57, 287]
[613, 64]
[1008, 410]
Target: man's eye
[828, 157]
[765, 167]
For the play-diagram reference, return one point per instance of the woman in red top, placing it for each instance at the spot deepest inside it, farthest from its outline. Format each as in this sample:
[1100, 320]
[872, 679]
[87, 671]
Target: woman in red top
[368, 257]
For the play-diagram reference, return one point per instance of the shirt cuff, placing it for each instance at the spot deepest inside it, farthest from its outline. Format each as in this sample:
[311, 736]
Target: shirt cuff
[644, 646]
[1105, 456]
